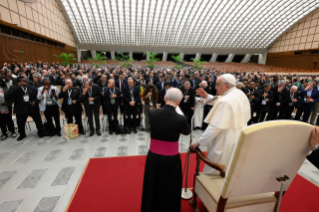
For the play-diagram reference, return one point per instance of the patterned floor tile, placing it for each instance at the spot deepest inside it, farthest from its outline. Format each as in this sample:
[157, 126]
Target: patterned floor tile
[77, 154]
[4, 155]
[52, 155]
[122, 151]
[32, 179]
[142, 149]
[63, 176]
[100, 152]
[10, 205]
[5, 176]
[47, 204]
[26, 157]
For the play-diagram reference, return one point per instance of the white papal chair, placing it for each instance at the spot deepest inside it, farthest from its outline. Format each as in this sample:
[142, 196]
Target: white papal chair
[264, 152]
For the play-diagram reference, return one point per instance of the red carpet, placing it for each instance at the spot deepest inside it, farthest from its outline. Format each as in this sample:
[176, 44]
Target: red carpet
[115, 184]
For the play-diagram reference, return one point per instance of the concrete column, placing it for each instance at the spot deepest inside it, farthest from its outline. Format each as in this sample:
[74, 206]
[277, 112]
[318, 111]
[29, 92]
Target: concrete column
[148, 56]
[213, 58]
[112, 55]
[93, 53]
[246, 58]
[164, 56]
[182, 56]
[229, 58]
[79, 54]
[131, 55]
[197, 55]
[262, 58]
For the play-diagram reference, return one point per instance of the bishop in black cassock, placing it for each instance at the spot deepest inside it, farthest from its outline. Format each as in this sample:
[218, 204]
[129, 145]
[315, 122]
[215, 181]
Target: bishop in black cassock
[163, 172]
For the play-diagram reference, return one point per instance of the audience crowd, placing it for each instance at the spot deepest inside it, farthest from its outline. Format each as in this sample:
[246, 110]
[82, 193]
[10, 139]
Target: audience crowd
[125, 95]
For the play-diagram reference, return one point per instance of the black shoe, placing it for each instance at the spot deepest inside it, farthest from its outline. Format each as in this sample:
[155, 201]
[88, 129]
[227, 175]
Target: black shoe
[58, 134]
[134, 130]
[21, 137]
[40, 134]
[91, 133]
[129, 131]
[98, 133]
[13, 135]
[52, 134]
[83, 133]
[110, 132]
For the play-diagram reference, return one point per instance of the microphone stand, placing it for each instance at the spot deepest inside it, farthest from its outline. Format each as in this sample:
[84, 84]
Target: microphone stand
[187, 193]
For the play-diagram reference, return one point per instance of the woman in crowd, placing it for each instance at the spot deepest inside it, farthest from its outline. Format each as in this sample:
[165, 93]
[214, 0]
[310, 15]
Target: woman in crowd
[6, 107]
[150, 97]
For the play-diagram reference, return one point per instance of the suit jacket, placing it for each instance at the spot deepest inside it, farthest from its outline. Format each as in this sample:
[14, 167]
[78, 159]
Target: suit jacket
[294, 96]
[265, 108]
[314, 158]
[314, 96]
[76, 95]
[159, 85]
[127, 95]
[117, 84]
[167, 125]
[96, 94]
[100, 84]
[280, 97]
[191, 100]
[155, 80]
[20, 106]
[161, 95]
[107, 99]
[255, 92]
[211, 88]
[194, 82]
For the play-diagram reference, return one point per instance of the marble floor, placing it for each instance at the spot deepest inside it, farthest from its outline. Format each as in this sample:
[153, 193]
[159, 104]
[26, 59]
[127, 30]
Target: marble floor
[42, 174]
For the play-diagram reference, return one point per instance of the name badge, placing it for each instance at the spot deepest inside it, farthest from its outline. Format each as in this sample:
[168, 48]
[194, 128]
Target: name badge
[49, 101]
[91, 102]
[151, 103]
[69, 101]
[132, 98]
[305, 99]
[291, 104]
[263, 102]
[112, 101]
[26, 98]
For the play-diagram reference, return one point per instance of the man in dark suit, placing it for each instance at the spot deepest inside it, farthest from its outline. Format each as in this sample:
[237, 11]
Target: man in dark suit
[163, 169]
[266, 97]
[92, 102]
[161, 84]
[253, 97]
[152, 79]
[112, 102]
[131, 95]
[292, 101]
[188, 100]
[75, 81]
[121, 83]
[314, 143]
[280, 100]
[102, 83]
[71, 106]
[163, 92]
[25, 104]
[308, 99]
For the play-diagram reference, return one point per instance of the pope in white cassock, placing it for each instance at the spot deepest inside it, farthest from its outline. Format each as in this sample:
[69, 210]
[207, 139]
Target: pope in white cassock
[227, 118]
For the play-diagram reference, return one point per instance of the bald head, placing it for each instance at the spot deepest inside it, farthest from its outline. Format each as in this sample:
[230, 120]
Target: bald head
[69, 83]
[293, 89]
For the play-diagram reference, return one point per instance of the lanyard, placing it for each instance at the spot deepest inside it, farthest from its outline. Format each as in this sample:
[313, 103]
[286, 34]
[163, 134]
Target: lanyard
[48, 93]
[265, 96]
[185, 92]
[25, 91]
[112, 92]
[291, 96]
[90, 94]
[69, 92]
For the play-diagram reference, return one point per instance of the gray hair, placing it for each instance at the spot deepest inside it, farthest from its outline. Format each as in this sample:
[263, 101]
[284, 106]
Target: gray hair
[282, 82]
[37, 75]
[239, 83]
[187, 83]
[85, 77]
[103, 76]
[173, 94]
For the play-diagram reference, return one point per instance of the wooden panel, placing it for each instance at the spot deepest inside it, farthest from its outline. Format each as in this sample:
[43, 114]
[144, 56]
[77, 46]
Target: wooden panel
[11, 47]
[288, 59]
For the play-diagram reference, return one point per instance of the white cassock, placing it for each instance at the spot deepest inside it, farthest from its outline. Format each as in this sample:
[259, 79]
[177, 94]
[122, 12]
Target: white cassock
[198, 119]
[226, 119]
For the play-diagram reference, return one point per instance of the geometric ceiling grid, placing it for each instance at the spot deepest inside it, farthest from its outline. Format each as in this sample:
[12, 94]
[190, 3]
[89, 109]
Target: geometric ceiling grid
[228, 24]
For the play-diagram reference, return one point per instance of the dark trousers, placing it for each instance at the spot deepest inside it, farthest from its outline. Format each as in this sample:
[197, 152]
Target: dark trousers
[282, 111]
[260, 116]
[252, 119]
[275, 112]
[304, 108]
[131, 116]
[112, 111]
[53, 112]
[6, 122]
[289, 112]
[21, 121]
[270, 113]
[96, 111]
[78, 120]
